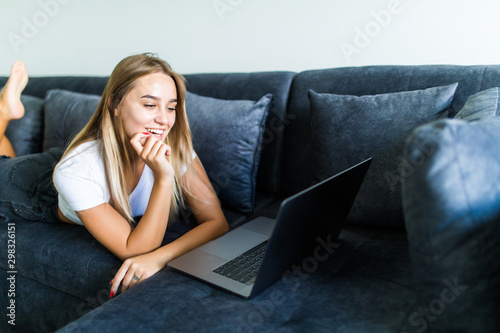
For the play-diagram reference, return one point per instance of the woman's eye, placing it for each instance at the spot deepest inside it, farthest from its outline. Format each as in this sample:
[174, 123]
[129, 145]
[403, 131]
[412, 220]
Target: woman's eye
[172, 109]
[149, 105]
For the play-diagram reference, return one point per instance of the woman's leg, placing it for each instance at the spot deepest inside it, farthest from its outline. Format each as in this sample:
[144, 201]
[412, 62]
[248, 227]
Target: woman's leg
[27, 191]
[6, 147]
[10, 103]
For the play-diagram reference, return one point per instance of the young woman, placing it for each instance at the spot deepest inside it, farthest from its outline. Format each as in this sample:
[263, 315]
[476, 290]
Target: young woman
[133, 159]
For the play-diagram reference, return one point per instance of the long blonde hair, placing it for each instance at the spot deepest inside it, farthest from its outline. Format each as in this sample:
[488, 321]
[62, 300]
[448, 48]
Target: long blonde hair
[117, 153]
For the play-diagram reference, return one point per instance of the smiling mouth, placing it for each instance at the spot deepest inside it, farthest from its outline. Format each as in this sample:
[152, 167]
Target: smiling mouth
[154, 131]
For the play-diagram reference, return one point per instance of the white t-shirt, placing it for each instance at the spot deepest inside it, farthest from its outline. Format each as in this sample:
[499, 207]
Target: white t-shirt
[81, 183]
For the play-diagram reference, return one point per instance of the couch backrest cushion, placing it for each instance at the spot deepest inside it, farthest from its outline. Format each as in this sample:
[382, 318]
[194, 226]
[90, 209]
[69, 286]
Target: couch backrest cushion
[297, 170]
[230, 86]
[252, 86]
[227, 137]
[484, 104]
[66, 114]
[25, 134]
[349, 129]
[38, 86]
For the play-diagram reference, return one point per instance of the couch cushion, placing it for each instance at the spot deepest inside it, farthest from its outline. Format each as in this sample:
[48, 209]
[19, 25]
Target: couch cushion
[362, 283]
[349, 129]
[26, 134]
[227, 136]
[39, 86]
[252, 86]
[234, 86]
[66, 113]
[62, 256]
[451, 198]
[482, 105]
[297, 170]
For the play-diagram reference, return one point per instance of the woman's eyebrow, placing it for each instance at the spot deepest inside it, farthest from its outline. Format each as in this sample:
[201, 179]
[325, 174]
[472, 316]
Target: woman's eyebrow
[174, 100]
[151, 97]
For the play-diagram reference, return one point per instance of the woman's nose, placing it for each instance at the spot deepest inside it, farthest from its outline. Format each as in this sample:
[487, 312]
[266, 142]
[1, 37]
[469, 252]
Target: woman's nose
[161, 117]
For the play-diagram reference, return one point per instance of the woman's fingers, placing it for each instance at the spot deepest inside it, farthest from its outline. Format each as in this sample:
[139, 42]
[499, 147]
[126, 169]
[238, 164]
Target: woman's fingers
[132, 278]
[134, 271]
[138, 141]
[153, 151]
[128, 276]
[115, 283]
[149, 147]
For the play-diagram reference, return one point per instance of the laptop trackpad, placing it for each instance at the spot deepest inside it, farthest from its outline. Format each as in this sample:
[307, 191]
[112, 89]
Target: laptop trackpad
[233, 243]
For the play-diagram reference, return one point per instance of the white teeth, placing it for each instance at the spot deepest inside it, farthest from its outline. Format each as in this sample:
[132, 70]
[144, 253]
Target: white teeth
[155, 131]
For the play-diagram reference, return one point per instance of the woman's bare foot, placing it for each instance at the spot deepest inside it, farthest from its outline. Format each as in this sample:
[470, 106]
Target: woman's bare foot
[10, 96]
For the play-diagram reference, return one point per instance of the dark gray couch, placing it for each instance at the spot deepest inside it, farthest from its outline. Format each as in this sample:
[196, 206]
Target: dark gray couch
[367, 283]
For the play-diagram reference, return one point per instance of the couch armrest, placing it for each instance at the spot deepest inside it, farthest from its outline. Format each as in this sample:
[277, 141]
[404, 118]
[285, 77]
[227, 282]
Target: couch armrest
[451, 199]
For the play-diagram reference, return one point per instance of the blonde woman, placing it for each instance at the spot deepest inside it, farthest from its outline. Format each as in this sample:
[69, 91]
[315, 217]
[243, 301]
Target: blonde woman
[135, 159]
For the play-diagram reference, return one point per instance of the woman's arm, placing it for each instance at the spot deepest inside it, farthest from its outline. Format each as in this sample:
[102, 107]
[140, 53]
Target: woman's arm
[113, 231]
[116, 234]
[207, 210]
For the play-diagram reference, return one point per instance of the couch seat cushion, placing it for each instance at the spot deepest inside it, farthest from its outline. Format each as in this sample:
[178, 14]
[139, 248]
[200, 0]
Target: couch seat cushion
[62, 256]
[364, 286]
[68, 258]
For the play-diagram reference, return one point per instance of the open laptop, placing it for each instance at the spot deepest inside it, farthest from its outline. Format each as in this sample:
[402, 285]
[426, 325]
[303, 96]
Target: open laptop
[268, 248]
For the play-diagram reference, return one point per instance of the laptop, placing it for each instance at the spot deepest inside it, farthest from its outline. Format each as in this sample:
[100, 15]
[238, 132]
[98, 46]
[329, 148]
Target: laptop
[251, 257]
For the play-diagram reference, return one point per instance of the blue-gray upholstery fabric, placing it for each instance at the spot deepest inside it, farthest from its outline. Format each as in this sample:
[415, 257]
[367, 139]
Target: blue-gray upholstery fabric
[39, 86]
[227, 136]
[66, 113]
[361, 296]
[451, 198]
[62, 272]
[340, 140]
[38, 307]
[297, 171]
[252, 86]
[25, 134]
[482, 105]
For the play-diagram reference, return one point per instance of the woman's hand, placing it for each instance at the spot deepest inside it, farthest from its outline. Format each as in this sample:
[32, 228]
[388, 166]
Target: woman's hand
[135, 270]
[153, 152]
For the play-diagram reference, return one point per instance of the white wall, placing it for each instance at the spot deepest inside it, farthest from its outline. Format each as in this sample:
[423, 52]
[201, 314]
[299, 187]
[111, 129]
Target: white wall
[88, 37]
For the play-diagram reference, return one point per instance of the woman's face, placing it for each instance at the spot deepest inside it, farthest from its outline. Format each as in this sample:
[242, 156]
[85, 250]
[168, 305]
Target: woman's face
[149, 106]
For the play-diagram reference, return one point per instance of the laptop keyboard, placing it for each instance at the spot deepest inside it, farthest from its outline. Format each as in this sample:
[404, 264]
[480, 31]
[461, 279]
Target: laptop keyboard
[244, 267]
